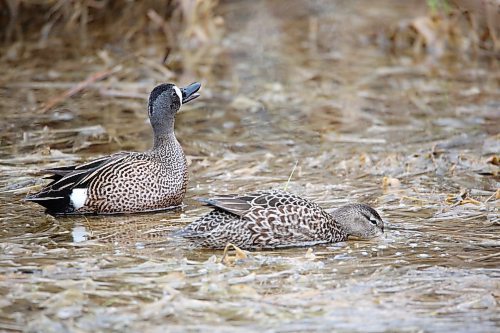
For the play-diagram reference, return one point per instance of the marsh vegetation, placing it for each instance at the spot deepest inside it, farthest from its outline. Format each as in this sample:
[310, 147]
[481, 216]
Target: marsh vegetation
[390, 103]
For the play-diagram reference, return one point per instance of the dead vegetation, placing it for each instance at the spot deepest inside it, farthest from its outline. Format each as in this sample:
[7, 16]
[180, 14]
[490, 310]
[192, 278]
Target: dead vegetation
[457, 27]
[52, 52]
[123, 39]
[81, 23]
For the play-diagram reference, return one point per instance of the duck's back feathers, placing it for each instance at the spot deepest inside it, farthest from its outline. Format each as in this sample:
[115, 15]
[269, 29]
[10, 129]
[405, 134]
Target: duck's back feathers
[242, 204]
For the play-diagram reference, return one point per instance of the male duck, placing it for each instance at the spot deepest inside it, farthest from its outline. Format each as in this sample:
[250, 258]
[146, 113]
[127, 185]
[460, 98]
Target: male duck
[277, 219]
[127, 182]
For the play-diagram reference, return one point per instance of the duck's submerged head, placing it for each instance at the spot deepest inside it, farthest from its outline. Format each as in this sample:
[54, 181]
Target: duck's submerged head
[359, 221]
[165, 101]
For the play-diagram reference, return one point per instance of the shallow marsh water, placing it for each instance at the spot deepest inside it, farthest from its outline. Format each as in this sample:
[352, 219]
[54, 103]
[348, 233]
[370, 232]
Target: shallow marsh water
[415, 138]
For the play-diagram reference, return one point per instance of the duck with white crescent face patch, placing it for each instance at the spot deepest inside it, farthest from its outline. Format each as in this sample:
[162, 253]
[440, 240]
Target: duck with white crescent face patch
[127, 182]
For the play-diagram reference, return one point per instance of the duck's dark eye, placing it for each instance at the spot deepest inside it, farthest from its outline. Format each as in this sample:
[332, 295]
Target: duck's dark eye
[373, 221]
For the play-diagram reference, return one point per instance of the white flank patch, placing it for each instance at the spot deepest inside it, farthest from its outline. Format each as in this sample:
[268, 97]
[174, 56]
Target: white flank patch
[78, 197]
[179, 93]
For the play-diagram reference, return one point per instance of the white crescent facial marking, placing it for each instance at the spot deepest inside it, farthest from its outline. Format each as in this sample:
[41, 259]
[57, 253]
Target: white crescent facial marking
[179, 93]
[78, 197]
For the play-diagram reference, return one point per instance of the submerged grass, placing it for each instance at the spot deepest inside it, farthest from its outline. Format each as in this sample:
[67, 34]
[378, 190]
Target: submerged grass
[291, 175]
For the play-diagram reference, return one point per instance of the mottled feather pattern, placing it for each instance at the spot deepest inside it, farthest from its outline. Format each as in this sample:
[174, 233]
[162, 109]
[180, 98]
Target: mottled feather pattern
[129, 182]
[138, 182]
[265, 219]
[240, 204]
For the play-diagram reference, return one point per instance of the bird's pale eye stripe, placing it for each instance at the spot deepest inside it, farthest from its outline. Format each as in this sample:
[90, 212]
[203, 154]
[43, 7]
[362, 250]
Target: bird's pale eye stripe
[372, 219]
[179, 93]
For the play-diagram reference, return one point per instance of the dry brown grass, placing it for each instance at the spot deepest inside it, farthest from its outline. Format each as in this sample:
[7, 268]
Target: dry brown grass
[457, 27]
[118, 48]
[92, 23]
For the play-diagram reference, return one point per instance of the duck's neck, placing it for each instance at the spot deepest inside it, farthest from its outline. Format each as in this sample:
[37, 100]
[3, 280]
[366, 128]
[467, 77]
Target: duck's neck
[163, 133]
[166, 148]
[343, 229]
[164, 141]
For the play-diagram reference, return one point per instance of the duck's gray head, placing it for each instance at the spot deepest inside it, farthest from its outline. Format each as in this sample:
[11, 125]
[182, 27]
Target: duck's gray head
[359, 220]
[164, 102]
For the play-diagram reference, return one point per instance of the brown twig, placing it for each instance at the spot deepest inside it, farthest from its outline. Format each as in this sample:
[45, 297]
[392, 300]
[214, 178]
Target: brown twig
[79, 87]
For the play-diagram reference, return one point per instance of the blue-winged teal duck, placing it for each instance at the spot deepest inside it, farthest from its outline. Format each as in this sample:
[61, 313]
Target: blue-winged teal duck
[277, 219]
[127, 182]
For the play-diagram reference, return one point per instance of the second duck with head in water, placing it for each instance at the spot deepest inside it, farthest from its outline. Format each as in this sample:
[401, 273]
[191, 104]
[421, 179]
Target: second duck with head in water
[277, 219]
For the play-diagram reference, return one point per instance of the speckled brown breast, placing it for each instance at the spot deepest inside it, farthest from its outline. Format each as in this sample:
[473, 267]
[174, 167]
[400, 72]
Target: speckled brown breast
[140, 182]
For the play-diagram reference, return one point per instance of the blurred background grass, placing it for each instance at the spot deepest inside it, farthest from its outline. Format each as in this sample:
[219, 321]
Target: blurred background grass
[84, 25]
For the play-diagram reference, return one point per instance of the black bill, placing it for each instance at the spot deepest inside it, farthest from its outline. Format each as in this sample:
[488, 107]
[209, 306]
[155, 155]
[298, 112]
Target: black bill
[190, 92]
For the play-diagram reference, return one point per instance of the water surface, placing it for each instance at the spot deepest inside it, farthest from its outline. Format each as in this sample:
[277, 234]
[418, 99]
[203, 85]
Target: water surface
[302, 84]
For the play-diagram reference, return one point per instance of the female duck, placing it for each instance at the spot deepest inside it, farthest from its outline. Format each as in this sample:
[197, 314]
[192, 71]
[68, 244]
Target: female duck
[127, 182]
[277, 219]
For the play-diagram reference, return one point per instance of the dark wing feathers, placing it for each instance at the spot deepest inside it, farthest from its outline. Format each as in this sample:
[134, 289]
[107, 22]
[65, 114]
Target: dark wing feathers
[59, 188]
[60, 172]
[65, 179]
[230, 204]
[92, 173]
